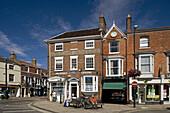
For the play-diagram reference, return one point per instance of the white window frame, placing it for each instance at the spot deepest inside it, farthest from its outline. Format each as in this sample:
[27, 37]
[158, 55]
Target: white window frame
[89, 41]
[144, 38]
[90, 56]
[151, 63]
[56, 58]
[114, 52]
[28, 69]
[115, 75]
[73, 57]
[59, 44]
[13, 78]
[37, 70]
[83, 84]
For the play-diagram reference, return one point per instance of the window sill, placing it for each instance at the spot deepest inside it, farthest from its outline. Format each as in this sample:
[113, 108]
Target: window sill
[89, 48]
[89, 69]
[144, 48]
[73, 49]
[114, 75]
[58, 50]
[114, 52]
[89, 91]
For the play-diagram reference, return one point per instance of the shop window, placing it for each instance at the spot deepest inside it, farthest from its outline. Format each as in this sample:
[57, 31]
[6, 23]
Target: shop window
[166, 93]
[153, 93]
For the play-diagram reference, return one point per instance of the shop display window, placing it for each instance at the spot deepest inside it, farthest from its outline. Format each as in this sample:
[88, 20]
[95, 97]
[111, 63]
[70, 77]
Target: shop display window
[153, 93]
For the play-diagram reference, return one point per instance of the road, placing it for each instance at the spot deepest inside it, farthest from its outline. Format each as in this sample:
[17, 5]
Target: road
[153, 111]
[16, 106]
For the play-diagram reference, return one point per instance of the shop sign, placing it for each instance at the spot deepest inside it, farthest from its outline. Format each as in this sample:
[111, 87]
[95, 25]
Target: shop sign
[62, 73]
[156, 96]
[72, 72]
[86, 72]
[149, 96]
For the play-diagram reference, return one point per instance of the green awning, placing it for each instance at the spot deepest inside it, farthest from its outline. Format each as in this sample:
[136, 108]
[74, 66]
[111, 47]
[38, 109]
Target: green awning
[117, 85]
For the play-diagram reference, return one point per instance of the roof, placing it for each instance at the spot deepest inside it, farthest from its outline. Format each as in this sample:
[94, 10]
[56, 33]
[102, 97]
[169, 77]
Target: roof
[9, 61]
[150, 30]
[29, 64]
[78, 33]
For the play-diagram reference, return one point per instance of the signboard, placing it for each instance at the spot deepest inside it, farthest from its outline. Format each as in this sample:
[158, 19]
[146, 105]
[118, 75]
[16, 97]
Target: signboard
[134, 84]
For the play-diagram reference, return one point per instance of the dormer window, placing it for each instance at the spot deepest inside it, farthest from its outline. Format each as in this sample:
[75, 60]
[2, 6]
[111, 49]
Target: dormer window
[144, 42]
[58, 46]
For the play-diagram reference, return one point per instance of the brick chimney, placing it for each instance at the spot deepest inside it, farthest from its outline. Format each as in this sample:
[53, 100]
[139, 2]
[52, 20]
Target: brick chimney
[34, 61]
[128, 23]
[13, 56]
[102, 23]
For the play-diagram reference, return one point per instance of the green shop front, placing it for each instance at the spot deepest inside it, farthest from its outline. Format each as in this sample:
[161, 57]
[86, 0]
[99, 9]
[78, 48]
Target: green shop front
[114, 91]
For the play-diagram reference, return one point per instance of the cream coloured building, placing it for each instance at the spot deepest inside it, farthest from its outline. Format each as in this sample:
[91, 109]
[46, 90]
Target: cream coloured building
[13, 77]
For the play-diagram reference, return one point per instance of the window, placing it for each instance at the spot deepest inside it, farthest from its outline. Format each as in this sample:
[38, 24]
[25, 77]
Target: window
[146, 63]
[36, 70]
[11, 77]
[73, 62]
[89, 62]
[89, 44]
[27, 68]
[58, 63]
[59, 47]
[144, 42]
[89, 83]
[168, 64]
[114, 47]
[114, 67]
[11, 67]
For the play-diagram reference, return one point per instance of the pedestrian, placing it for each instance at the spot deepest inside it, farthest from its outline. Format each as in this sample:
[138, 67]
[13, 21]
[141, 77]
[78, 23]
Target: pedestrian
[54, 96]
[93, 101]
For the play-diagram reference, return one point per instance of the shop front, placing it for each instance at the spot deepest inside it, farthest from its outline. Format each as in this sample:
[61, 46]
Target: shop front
[151, 90]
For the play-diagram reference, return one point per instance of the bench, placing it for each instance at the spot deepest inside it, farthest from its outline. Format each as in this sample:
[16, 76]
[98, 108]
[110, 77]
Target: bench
[88, 104]
[76, 103]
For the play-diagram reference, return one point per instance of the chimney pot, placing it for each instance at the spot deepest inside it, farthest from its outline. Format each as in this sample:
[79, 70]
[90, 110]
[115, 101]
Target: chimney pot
[34, 61]
[128, 23]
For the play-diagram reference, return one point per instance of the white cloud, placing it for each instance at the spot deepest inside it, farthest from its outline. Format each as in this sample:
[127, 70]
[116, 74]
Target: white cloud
[118, 10]
[6, 44]
[51, 27]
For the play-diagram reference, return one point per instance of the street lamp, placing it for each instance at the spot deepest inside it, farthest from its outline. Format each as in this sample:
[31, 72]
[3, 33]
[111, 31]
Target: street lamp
[135, 27]
[134, 88]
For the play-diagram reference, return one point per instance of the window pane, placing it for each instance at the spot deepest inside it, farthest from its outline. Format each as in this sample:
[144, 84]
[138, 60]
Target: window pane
[89, 44]
[144, 42]
[114, 46]
[74, 63]
[89, 62]
[11, 66]
[59, 47]
[89, 84]
[114, 68]
[59, 64]
[145, 63]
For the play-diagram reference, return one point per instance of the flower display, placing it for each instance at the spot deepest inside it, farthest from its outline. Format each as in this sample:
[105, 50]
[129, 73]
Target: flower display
[134, 73]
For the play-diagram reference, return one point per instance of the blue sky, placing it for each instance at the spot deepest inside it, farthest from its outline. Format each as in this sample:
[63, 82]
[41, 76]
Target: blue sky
[24, 24]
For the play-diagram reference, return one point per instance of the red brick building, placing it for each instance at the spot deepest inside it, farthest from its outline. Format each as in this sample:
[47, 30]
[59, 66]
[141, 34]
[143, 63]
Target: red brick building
[94, 61]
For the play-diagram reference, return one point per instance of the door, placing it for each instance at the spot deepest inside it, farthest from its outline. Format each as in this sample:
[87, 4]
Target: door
[141, 94]
[74, 90]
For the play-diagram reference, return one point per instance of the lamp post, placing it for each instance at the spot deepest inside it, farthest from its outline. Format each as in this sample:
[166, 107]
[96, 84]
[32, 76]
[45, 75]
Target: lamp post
[60, 91]
[6, 84]
[134, 88]
[135, 27]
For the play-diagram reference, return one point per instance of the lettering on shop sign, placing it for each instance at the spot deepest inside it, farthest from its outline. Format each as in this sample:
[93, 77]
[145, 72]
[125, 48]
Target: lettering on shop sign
[62, 73]
[142, 79]
[86, 72]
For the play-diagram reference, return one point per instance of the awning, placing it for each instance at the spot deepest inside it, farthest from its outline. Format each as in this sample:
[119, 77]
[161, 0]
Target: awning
[117, 85]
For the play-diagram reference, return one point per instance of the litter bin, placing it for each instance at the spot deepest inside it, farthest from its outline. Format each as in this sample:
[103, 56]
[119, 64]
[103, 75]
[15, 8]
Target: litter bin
[54, 99]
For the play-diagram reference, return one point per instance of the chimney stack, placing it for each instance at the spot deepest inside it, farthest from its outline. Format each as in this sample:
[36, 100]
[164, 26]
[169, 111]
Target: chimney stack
[102, 23]
[13, 56]
[128, 23]
[34, 61]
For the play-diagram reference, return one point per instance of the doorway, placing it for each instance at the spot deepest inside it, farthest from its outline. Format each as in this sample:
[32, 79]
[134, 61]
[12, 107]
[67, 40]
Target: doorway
[74, 90]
